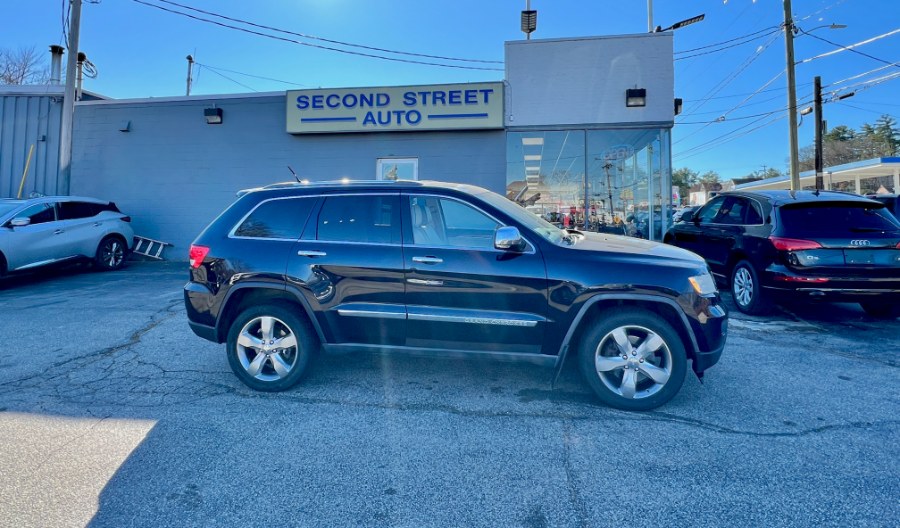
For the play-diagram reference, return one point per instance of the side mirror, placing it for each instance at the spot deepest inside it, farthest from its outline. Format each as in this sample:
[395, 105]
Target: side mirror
[20, 221]
[687, 216]
[509, 239]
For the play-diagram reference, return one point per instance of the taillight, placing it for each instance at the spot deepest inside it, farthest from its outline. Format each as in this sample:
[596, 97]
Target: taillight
[126, 219]
[793, 244]
[198, 253]
[811, 280]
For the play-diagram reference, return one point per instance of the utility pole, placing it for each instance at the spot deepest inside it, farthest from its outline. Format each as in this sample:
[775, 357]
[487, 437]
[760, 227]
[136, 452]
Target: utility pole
[819, 131]
[792, 95]
[68, 109]
[649, 16]
[190, 59]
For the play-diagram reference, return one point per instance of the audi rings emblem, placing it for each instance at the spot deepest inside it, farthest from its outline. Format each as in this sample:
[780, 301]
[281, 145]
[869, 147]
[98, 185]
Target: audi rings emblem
[859, 242]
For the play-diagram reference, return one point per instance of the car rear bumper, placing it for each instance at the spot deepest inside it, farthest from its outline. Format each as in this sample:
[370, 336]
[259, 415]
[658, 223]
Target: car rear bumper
[783, 283]
[198, 304]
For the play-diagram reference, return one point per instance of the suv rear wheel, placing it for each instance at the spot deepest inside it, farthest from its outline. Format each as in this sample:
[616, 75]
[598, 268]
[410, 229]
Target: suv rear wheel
[746, 289]
[269, 347]
[633, 359]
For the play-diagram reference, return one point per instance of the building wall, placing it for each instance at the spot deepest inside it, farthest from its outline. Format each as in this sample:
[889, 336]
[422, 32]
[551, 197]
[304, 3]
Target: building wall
[29, 117]
[173, 173]
[582, 81]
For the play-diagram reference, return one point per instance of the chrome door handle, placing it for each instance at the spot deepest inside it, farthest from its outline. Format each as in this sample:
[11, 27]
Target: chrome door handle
[427, 260]
[58, 232]
[98, 224]
[424, 282]
[303, 253]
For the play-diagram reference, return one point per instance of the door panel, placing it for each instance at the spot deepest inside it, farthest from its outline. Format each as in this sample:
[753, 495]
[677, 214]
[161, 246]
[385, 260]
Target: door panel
[349, 264]
[36, 243]
[469, 298]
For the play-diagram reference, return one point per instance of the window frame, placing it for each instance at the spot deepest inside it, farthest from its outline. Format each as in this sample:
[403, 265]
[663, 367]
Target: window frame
[314, 235]
[409, 241]
[232, 233]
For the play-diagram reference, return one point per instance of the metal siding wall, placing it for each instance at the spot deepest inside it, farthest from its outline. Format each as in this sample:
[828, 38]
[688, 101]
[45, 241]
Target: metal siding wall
[23, 120]
[583, 81]
[174, 174]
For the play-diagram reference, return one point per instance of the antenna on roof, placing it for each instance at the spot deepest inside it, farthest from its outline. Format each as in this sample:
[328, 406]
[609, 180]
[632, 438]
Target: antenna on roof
[295, 174]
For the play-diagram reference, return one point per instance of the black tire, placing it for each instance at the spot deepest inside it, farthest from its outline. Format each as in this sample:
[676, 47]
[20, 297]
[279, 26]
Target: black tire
[747, 291]
[111, 253]
[599, 353]
[296, 358]
[881, 309]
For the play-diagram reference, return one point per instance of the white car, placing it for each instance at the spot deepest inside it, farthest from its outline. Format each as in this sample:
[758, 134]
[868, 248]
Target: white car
[52, 229]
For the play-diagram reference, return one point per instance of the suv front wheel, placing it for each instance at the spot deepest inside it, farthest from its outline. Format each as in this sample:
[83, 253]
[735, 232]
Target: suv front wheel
[269, 347]
[634, 360]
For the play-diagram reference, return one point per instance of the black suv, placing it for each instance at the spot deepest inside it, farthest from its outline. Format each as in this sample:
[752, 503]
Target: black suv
[434, 268]
[773, 245]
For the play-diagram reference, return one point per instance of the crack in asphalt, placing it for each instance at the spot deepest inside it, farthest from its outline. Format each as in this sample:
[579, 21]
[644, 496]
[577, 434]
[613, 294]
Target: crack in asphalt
[580, 512]
[97, 355]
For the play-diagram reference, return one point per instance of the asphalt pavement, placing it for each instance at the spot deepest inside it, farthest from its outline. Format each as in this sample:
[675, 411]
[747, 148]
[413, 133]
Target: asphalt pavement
[112, 413]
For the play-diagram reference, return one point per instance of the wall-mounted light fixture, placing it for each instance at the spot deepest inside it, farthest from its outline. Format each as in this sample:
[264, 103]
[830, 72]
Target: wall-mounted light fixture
[635, 97]
[213, 116]
[679, 104]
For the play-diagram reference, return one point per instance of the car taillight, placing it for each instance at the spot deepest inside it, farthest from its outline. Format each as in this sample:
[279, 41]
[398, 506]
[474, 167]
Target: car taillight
[812, 280]
[126, 219]
[793, 244]
[198, 253]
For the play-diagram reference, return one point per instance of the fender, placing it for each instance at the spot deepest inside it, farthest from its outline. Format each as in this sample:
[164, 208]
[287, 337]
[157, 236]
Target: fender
[564, 347]
[295, 292]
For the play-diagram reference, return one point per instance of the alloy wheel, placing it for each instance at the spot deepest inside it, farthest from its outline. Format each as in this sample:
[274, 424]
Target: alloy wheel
[267, 348]
[633, 362]
[113, 253]
[743, 286]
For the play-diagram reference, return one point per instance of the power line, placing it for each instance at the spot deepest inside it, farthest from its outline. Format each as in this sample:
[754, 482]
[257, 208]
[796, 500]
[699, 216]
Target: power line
[322, 39]
[232, 80]
[730, 40]
[284, 39]
[216, 68]
[850, 47]
[863, 74]
[727, 47]
[731, 77]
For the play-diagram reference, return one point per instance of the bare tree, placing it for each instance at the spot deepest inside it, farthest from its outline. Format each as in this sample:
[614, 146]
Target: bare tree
[24, 65]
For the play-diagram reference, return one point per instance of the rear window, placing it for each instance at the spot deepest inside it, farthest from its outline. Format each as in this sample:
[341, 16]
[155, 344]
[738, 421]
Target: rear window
[280, 218]
[836, 219]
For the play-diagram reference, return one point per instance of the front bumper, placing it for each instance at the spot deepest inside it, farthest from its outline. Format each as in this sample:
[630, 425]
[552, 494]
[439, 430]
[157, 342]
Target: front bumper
[709, 324]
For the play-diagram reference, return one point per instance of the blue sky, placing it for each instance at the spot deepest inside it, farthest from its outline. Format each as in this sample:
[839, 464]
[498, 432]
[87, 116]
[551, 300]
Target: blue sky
[140, 51]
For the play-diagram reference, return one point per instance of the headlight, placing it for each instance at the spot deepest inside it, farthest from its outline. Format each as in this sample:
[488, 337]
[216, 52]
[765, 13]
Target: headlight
[703, 284]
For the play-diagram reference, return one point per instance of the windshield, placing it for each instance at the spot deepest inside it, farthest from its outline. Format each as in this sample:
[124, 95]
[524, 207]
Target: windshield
[529, 220]
[8, 205]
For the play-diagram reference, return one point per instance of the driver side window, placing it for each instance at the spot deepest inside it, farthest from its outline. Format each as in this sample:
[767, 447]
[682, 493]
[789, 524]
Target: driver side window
[39, 213]
[710, 210]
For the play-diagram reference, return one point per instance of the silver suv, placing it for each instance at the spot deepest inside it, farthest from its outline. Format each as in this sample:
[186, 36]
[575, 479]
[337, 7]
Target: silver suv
[52, 229]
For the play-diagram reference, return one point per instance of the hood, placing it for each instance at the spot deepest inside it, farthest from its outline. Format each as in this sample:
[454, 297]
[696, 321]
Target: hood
[634, 246]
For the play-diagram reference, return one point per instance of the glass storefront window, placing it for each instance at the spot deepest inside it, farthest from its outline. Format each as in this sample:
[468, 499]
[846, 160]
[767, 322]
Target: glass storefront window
[611, 181]
[545, 174]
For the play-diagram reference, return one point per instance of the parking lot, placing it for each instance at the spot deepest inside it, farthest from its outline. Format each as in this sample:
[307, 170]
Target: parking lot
[113, 413]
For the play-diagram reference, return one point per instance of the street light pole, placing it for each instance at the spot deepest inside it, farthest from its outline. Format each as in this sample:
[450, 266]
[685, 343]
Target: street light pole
[792, 96]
